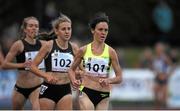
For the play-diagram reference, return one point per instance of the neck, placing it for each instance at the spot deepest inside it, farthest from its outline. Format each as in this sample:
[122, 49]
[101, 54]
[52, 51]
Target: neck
[30, 40]
[62, 44]
[98, 45]
[97, 48]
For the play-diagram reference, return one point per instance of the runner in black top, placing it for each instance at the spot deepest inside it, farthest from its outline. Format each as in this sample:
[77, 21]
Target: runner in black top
[24, 50]
[55, 92]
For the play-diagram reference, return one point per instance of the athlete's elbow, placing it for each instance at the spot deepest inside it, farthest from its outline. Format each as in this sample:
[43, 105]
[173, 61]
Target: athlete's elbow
[119, 80]
[32, 67]
[69, 71]
[4, 66]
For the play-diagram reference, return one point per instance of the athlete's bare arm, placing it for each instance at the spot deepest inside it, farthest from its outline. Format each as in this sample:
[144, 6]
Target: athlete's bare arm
[38, 59]
[76, 63]
[117, 69]
[16, 48]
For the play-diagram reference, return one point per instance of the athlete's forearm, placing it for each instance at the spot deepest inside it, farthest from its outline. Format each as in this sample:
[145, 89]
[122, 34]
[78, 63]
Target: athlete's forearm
[115, 80]
[71, 74]
[8, 65]
[37, 72]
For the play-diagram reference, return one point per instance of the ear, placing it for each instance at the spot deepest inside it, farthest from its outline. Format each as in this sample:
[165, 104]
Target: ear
[55, 31]
[24, 30]
[92, 31]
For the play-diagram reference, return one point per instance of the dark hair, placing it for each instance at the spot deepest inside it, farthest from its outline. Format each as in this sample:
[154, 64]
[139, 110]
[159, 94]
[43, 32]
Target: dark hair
[46, 36]
[98, 17]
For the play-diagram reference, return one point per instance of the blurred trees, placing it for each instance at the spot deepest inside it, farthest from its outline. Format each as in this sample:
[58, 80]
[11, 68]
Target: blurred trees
[131, 21]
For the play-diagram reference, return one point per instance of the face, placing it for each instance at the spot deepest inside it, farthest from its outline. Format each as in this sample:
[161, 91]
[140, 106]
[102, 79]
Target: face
[159, 48]
[100, 32]
[148, 54]
[32, 28]
[64, 31]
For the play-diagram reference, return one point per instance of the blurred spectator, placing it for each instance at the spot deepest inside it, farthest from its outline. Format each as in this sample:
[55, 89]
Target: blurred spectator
[6, 44]
[161, 66]
[50, 14]
[121, 58]
[146, 59]
[163, 19]
[8, 37]
[163, 16]
[174, 56]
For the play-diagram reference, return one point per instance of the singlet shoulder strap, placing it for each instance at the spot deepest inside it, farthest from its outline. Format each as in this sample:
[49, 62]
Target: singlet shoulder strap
[23, 41]
[106, 50]
[88, 50]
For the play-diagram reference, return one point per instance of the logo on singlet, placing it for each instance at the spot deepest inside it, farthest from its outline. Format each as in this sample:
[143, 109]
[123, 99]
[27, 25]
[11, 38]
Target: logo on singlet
[43, 88]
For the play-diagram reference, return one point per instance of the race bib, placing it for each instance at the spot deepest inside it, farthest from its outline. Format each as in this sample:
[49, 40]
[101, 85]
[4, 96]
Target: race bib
[42, 89]
[31, 56]
[97, 66]
[61, 61]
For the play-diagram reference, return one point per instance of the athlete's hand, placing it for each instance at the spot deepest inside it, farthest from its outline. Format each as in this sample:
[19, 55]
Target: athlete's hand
[75, 84]
[104, 82]
[27, 64]
[51, 79]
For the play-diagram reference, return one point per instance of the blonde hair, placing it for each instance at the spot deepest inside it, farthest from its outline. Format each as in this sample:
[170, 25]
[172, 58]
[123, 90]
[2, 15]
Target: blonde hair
[62, 18]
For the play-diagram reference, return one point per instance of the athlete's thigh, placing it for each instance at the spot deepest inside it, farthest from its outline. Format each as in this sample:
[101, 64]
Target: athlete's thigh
[103, 104]
[164, 92]
[85, 103]
[18, 100]
[34, 99]
[65, 103]
[46, 104]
